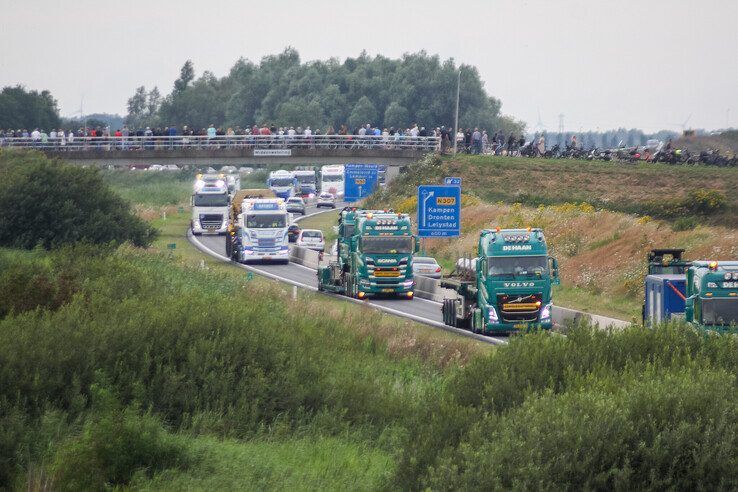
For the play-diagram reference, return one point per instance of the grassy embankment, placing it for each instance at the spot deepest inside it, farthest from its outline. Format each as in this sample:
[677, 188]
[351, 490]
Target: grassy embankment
[131, 368]
[600, 218]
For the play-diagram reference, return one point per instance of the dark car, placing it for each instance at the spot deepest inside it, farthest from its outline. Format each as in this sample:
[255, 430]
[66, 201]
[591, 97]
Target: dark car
[292, 232]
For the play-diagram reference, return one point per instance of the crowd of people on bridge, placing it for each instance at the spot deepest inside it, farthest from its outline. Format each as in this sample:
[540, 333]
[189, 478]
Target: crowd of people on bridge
[271, 136]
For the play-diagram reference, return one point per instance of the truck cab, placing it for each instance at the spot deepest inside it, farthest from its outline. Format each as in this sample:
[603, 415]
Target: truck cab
[375, 251]
[260, 231]
[306, 182]
[712, 295]
[507, 288]
[282, 183]
[210, 200]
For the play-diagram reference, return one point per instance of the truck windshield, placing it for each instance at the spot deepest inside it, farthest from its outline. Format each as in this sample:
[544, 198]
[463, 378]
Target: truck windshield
[305, 179]
[386, 244]
[348, 230]
[720, 312]
[220, 200]
[336, 178]
[518, 266]
[281, 182]
[265, 221]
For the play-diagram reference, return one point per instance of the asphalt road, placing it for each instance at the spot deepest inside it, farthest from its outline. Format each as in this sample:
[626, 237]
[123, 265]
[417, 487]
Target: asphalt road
[420, 310]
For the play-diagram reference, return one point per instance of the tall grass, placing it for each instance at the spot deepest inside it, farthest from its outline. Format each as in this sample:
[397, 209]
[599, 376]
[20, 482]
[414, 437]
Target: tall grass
[150, 188]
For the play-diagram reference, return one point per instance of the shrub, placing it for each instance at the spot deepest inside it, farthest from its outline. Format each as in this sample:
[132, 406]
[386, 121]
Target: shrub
[49, 204]
[637, 408]
[705, 202]
[114, 444]
[684, 224]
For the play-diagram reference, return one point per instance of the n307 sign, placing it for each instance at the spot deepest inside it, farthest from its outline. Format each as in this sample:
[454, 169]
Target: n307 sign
[439, 211]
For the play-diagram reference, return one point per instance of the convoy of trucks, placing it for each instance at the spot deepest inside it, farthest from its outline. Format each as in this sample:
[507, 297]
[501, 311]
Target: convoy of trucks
[507, 287]
[374, 257]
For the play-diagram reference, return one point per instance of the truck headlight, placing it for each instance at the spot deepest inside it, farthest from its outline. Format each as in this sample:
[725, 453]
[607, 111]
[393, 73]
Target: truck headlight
[546, 312]
[493, 318]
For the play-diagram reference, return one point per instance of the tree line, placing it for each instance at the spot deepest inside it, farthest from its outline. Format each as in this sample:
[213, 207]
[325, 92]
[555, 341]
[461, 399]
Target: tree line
[282, 90]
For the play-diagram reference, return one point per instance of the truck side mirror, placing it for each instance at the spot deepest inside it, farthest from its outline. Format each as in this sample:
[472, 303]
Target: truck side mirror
[417, 245]
[554, 267]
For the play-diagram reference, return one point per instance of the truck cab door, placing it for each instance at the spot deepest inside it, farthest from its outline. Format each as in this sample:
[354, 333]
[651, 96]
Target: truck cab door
[553, 266]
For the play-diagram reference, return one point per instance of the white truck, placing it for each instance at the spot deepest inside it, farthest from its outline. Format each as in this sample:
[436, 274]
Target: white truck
[282, 183]
[332, 180]
[210, 200]
[258, 230]
[307, 187]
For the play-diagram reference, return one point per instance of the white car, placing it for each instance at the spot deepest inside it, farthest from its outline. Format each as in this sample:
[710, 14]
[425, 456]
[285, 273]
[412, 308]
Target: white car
[170, 167]
[311, 239]
[425, 266]
[156, 167]
[326, 200]
[245, 170]
[228, 169]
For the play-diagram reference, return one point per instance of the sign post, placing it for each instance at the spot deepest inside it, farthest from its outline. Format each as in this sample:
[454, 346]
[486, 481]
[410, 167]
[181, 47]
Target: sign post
[439, 211]
[360, 181]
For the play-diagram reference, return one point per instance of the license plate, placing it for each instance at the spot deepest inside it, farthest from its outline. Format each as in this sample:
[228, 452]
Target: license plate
[388, 290]
[211, 229]
[520, 326]
[267, 257]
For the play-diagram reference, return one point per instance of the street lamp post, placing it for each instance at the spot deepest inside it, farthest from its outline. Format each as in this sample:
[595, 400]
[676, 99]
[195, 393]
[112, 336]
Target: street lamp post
[456, 121]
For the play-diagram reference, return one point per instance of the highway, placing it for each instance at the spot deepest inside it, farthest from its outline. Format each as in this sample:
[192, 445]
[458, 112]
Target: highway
[421, 310]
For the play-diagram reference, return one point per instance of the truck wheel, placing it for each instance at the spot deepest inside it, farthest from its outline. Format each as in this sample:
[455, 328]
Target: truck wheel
[449, 312]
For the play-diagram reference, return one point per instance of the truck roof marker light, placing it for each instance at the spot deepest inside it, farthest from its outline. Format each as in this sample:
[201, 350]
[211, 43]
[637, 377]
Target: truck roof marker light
[497, 229]
[713, 265]
[369, 215]
[529, 228]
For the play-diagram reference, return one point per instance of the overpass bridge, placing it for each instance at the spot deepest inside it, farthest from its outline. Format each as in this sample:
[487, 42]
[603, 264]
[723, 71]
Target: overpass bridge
[236, 150]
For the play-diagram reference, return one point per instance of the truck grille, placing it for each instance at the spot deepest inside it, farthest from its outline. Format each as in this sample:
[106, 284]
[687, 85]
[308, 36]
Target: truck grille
[519, 307]
[266, 242]
[211, 221]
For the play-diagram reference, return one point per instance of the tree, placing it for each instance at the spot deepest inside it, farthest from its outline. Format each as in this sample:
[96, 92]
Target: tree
[21, 109]
[364, 112]
[186, 75]
[280, 89]
[396, 116]
[50, 204]
[137, 107]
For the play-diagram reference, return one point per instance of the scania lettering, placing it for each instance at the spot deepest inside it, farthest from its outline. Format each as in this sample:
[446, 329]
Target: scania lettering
[282, 183]
[210, 200]
[374, 257]
[507, 287]
[332, 180]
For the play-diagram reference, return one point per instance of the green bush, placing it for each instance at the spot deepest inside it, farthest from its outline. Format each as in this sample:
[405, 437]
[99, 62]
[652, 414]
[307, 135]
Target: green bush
[596, 410]
[115, 444]
[684, 224]
[47, 203]
[705, 202]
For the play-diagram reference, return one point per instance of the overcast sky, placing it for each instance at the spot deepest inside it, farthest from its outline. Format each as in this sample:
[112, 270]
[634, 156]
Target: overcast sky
[632, 63]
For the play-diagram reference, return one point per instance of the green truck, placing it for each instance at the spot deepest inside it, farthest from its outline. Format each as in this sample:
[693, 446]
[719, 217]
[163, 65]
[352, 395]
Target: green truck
[374, 257]
[712, 295]
[507, 287]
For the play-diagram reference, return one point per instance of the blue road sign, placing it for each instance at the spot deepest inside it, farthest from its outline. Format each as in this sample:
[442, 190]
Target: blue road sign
[449, 181]
[439, 211]
[361, 179]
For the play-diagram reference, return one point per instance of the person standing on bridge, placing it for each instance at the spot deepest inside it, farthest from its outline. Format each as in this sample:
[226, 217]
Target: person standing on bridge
[211, 134]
